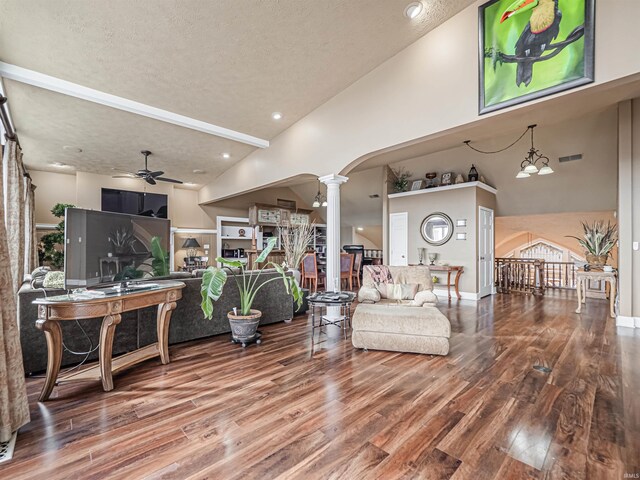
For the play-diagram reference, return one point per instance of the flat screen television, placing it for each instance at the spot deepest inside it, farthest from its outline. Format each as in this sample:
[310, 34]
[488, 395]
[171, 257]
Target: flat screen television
[104, 248]
[134, 203]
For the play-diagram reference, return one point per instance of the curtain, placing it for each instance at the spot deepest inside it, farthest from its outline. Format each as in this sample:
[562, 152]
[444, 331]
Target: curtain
[14, 407]
[14, 214]
[30, 243]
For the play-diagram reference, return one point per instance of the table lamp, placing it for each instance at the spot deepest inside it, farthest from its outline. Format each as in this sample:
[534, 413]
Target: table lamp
[191, 245]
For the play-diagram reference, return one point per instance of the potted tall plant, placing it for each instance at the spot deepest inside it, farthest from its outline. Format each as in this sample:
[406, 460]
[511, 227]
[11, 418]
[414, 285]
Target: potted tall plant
[295, 243]
[598, 240]
[243, 320]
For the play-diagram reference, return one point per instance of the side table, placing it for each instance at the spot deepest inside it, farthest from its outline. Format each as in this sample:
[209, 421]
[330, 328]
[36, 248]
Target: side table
[583, 277]
[320, 304]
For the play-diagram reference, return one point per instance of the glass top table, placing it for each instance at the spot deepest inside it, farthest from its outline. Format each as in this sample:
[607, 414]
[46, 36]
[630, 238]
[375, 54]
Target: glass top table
[112, 292]
[330, 308]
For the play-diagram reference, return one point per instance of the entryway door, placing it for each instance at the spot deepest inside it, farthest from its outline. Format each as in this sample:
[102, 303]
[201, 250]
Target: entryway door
[399, 239]
[485, 251]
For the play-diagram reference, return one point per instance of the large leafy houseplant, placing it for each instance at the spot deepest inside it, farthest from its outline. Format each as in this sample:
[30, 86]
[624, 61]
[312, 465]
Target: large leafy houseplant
[598, 240]
[51, 248]
[214, 280]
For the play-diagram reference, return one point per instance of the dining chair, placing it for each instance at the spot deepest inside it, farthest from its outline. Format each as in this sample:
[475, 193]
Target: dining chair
[346, 269]
[310, 273]
[357, 267]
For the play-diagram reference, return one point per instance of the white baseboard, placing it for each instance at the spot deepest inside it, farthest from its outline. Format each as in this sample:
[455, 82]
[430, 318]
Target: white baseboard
[465, 295]
[629, 322]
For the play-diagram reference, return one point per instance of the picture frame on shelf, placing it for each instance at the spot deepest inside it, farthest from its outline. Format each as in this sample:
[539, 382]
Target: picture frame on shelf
[447, 178]
[417, 185]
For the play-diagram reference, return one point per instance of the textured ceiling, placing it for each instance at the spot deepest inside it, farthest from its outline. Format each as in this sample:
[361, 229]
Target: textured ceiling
[111, 138]
[228, 62]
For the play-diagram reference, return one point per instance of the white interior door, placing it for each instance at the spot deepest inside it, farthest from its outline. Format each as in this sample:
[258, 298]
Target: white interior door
[485, 251]
[399, 239]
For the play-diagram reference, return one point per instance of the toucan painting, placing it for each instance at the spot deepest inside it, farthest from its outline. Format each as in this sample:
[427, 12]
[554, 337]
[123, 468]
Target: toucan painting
[531, 48]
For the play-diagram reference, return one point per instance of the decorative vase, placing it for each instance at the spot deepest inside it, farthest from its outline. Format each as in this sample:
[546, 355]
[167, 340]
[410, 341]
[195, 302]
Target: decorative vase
[459, 179]
[296, 274]
[244, 327]
[596, 260]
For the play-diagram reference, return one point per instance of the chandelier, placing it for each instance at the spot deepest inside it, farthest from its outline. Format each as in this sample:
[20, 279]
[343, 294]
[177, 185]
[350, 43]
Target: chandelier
[528, 165]
[319, 199]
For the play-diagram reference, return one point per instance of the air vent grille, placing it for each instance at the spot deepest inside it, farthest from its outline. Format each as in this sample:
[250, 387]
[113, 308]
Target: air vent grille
[571, 158]
[375, 195]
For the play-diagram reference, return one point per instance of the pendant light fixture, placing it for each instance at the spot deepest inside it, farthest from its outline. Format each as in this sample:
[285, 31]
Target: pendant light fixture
[319, 199]
[529, 165]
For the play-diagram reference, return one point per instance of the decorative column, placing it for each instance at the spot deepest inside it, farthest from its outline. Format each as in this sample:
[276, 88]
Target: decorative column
[333, 183]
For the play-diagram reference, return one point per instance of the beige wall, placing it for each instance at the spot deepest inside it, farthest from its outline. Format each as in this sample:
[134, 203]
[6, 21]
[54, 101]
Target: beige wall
[52, 188]
[370, 237]
[589, 184]
[629, 209]
[458, 204]
[84, 190]
[428, 88]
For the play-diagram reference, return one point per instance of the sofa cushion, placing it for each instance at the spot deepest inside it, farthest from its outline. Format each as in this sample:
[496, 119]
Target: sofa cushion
[402, 291]
[427, 321]
[424, 297]
[366, 294]
[53, 280]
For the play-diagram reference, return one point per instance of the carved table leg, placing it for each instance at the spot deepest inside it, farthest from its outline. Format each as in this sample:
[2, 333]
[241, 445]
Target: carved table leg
[449, 284]
[612, 298]
[107, 331]
[579, 291]
[53, 334]
[162, 325]
[457, 284]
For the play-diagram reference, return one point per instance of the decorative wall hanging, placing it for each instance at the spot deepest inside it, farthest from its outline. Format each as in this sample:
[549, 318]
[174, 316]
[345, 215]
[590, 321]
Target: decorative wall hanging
[532, 48]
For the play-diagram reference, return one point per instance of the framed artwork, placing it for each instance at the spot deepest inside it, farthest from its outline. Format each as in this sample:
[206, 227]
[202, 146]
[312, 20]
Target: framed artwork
[532, 48]
[417, 185]
[447, 178]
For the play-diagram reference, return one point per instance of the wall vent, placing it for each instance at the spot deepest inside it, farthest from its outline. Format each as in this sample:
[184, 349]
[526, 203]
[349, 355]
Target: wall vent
[571, 158]
[375, 195]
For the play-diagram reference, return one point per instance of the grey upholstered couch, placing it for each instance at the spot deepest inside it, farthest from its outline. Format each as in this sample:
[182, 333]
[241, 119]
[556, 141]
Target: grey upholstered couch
[138, 329]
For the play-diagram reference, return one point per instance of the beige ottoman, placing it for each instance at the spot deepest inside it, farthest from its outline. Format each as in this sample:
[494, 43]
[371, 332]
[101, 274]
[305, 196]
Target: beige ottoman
[401, 329]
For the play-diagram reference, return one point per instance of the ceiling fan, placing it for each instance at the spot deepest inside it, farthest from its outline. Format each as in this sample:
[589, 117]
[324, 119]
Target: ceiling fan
[146, 174]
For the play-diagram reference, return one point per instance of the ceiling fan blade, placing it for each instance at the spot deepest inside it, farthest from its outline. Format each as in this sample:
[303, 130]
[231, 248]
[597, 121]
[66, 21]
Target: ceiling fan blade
[150, 180]
[171, 180]
[155, 174]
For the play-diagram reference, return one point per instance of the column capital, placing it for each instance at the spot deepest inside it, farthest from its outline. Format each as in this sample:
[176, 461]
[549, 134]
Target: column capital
[333, 179]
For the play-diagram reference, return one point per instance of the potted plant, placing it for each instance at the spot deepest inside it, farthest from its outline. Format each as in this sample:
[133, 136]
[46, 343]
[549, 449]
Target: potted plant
[295, 243]
[401, 182]
[598, 240]
[243, 320]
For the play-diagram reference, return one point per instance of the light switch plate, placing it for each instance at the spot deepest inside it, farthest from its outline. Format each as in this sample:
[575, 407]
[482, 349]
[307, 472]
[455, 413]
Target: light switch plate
[636, 245]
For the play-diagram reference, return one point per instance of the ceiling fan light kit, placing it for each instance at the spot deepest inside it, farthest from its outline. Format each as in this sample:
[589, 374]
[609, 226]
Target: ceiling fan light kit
[147, 175]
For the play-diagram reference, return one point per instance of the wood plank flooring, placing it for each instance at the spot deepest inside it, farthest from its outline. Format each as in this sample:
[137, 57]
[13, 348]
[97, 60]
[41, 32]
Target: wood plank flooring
[276, 411]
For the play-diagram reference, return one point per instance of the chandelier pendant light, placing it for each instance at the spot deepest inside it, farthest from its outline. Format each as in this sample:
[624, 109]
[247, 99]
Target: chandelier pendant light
[529, 165]
[319, 200]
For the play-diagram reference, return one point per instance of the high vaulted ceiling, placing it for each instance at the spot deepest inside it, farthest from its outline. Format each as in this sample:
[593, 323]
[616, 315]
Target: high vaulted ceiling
[227, 62]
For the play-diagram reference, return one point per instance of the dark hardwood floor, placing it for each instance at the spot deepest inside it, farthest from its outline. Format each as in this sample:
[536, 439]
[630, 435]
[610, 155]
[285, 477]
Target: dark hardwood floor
[274, 411]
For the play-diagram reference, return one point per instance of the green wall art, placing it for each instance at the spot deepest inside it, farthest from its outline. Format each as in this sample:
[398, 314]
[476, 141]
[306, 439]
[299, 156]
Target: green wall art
[532, 48]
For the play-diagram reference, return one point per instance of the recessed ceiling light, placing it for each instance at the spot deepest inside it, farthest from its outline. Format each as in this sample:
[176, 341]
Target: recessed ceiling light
[189, 184]
[60, 165]
[276, 115]
[198, 171]
[360, 229]
[70, 148]
[413, 10]
[226, 156]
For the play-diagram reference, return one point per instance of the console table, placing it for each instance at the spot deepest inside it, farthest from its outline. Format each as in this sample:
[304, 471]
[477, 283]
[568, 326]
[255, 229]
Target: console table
[110, 306]
[449, 269]
[583, 277]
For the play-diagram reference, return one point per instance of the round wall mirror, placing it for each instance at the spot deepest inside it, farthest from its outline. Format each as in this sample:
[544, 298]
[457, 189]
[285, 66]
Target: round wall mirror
[437, 229]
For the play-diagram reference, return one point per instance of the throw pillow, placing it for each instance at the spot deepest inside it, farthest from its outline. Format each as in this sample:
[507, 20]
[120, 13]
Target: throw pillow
[53, 280]
[37, 276]
[402, 291]
[382, 289]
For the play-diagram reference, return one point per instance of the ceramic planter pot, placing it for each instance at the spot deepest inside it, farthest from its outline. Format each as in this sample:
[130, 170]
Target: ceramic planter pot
[596, 260]
[244, 327]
